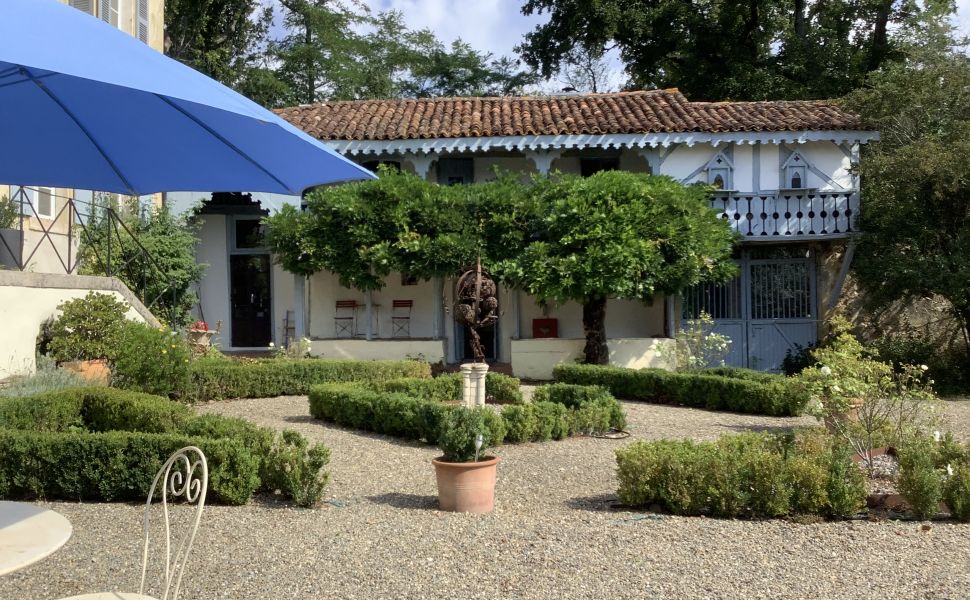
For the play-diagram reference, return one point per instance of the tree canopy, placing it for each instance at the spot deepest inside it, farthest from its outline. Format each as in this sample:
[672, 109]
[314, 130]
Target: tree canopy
[725, 49]
[560, 238]
[916, 190]
[330, 50]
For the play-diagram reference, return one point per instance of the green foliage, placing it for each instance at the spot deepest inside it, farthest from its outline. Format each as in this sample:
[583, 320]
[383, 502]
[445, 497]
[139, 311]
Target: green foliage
[782, 50]
[885, 405]
[774, 395]
[919, 480]
[557, 412]
[216, 37]
[620, 235]
[87, 328]
[9, 212]
[503, 389]
[946, 367]
[917, 197]
[696, 345]
[107, 444]
[48, 377]
[459, 431]
[296, 469]
[150, 360]
[748, 475]
[957, 492]
[166, 281]
[219, 379]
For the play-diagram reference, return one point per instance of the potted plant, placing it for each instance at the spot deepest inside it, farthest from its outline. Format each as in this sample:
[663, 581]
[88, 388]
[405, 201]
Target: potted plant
[466, 478]
[83, 337]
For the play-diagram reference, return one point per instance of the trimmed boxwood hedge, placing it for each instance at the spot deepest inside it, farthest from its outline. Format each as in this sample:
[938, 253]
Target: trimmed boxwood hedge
[742, 391]
[747, 475]
[562, 410]
[500, 388]
[107, 444]
[220, 378]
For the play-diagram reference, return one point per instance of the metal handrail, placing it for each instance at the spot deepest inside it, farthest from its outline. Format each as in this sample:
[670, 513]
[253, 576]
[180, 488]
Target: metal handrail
[109, 264]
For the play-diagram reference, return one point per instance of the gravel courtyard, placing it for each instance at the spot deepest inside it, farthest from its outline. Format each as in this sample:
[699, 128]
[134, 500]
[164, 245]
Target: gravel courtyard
[554, 533]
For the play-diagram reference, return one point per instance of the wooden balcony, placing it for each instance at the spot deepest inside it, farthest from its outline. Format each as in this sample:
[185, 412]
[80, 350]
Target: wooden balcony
[802, 214]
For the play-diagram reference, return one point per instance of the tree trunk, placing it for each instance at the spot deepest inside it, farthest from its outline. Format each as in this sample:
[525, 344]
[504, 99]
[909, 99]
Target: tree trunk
[594, 324]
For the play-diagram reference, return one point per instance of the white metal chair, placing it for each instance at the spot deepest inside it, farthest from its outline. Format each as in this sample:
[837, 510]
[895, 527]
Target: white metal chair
[185, 474]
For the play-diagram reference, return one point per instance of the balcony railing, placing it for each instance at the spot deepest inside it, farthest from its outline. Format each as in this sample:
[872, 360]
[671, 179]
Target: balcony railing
[807, 215]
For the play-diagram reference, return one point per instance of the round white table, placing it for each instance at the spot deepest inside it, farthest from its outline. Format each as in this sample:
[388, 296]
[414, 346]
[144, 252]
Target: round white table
[29, 533]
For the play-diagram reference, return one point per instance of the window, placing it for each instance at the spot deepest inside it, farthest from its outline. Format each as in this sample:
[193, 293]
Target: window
[456, 171]
[42, 201]
[141, 20]
[408, 279]
[110, 12]
[83, 5]
[248, 234]
[591, 165]
[720, 171]
[795, 172]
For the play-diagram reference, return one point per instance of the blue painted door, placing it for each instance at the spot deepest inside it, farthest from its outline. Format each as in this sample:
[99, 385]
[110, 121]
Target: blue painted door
[767, 310]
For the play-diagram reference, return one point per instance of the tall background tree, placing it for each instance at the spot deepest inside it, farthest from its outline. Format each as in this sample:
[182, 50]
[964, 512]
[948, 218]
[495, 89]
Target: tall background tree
[916, 195]
[320, 50]
[221, 38]
[727, 49]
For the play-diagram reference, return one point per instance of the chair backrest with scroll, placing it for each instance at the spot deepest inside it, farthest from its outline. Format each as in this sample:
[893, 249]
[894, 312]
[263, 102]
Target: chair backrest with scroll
[184, 475]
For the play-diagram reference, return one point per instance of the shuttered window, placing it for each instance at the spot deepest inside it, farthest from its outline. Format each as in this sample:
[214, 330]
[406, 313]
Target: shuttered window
[141, 19]
[84, 5]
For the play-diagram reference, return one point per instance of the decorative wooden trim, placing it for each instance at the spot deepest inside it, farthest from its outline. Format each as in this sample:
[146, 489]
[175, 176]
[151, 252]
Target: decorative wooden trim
[564, 142]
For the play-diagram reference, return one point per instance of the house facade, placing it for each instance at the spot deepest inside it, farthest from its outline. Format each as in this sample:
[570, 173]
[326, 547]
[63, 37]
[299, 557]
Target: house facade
[785, 180]
[43, 236]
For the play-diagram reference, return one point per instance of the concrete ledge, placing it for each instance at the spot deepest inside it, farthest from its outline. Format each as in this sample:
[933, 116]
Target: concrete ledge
[432, 351]
[78, 282]
[536, 358]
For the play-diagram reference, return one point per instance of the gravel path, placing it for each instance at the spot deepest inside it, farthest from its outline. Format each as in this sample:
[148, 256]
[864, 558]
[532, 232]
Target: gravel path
[552, 535]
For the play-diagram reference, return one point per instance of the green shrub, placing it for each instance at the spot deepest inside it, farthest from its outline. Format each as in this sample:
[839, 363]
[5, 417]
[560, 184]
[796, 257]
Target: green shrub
[150, 360]
[87, 328]
[919, 480]
[459, 431]
[773, 395]
[500, 389]
[119, 431]
[957, 492]
[521, 422]
[748, 475]
[296, 469]
[503, 389]
[118, 410]
[591, 409]
[114, 465]
[847, 485]
[218, 378]
[47, 378]
[444, 388]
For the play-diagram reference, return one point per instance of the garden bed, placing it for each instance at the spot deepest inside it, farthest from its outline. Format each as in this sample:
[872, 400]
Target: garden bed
[107, 444]
[736, 390]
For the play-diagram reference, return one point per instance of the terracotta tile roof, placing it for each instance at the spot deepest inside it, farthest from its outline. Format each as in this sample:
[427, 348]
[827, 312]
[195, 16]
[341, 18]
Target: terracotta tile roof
[653, 111]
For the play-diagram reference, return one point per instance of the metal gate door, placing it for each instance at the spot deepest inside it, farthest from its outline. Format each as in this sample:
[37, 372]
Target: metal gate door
[766, 310]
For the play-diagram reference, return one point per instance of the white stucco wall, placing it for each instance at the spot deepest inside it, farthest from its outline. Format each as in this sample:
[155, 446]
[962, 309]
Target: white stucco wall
[432, 351]
[624, 318]
[29, 299]
[536, 359]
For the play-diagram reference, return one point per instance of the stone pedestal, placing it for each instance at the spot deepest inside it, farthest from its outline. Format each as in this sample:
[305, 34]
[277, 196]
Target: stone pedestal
[473, 384]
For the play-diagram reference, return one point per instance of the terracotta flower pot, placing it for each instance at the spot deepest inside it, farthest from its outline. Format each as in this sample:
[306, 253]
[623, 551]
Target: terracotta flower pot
[851, 415]
[95, 371]
[467, 486]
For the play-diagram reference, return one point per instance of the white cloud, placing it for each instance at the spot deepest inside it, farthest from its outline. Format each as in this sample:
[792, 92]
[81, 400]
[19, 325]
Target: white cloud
[495, 26]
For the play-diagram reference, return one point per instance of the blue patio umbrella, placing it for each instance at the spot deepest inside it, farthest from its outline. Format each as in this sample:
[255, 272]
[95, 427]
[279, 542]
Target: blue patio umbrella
[84, 105]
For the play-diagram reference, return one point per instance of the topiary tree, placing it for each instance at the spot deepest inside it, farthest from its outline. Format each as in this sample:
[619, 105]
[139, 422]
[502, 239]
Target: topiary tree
[617, 235]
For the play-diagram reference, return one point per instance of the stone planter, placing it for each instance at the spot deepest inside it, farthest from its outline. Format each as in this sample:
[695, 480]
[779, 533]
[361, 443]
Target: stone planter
[467, 486]
[94, 371]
